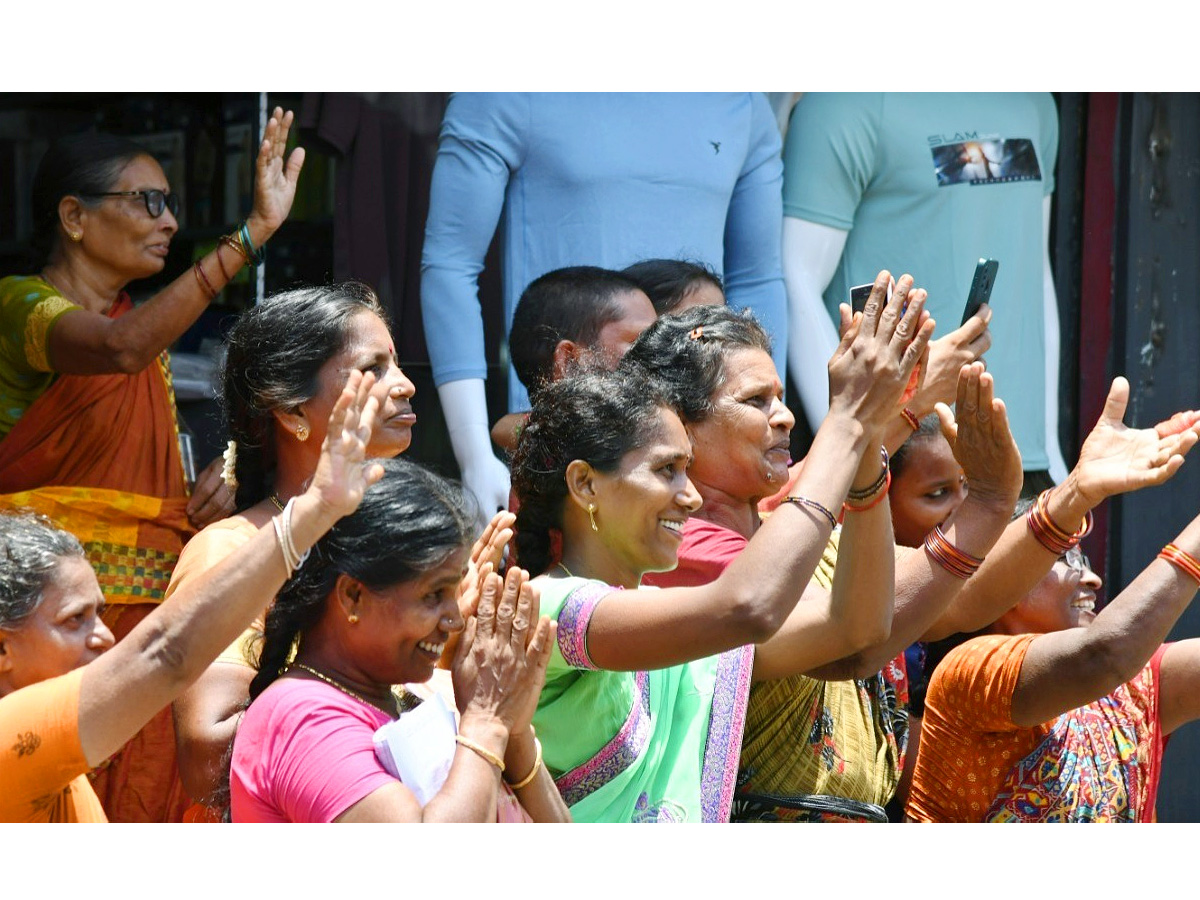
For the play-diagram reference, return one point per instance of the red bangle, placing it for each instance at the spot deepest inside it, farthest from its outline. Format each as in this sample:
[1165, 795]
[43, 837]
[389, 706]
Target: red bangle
[945, 554]
[1049, 534]
[872, 502]
[911, 418]
[221, 263]
[1182, 560]
[202, 279]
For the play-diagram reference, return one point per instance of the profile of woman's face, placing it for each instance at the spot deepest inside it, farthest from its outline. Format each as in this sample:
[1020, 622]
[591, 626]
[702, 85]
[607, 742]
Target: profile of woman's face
[63, 633]
[368, 348]
[743, 447]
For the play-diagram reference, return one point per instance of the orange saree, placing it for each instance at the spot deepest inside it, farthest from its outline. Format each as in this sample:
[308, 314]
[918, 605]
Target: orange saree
[99, 455]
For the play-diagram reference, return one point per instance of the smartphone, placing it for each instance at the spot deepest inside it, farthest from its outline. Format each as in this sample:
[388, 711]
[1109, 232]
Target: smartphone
[981, 287]
[860, 293]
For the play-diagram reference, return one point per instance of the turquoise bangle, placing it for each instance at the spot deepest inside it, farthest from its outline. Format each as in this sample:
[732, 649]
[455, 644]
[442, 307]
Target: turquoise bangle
[256, 254]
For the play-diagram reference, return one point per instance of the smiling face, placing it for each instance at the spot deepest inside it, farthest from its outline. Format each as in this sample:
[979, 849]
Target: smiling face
[641, 508]
[744, 446]
[930, 486]
[63, 633]
[402, 628]
[1064, 598]
[368, 348]
[119, 234]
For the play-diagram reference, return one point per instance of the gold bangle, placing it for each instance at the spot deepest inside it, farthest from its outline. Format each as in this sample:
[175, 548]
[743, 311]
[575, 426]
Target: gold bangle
[537, 764]
[482, 751]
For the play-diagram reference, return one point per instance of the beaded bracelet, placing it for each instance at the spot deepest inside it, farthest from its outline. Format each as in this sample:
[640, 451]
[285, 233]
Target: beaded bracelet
[1047, 533]
[537, 764]
[869, 492]
[482, 751]
[945, 554]
[814, 505]
[911, 418]
[872, 502]
[1182, 560]
[205, 286]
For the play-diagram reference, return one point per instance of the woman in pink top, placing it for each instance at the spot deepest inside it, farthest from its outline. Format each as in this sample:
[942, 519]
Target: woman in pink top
[373, 607]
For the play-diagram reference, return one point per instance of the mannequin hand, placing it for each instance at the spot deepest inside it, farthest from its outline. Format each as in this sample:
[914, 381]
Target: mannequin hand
[488, 479]
[1115, 459]
[947, 356]
[979, 435]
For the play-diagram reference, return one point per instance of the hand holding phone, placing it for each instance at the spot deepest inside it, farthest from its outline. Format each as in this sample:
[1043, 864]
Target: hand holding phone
[981, 287]
[860, 293]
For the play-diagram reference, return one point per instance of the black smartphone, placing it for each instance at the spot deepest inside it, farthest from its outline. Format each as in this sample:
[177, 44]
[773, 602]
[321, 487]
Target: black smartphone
[860, 293]
[981, 287]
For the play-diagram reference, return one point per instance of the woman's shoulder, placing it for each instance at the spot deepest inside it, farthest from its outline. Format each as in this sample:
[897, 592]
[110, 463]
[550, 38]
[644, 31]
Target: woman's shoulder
[294, 703]
[208, 547]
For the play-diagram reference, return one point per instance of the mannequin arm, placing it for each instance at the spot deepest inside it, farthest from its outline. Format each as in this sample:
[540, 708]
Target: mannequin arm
[1058, 467]
[811, 253]
[465, 406]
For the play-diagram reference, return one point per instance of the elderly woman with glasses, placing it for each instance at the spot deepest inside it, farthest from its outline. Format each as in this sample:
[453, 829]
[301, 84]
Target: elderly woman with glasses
[88, 432]
[1055, 712]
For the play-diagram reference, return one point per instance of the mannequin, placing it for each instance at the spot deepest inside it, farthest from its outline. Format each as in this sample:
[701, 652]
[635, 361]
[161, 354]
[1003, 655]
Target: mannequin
[589, 179]
[813, 254]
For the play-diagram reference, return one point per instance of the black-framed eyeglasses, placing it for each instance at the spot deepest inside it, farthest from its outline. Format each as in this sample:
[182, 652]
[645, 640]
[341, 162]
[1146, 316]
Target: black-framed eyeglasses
[156, 200]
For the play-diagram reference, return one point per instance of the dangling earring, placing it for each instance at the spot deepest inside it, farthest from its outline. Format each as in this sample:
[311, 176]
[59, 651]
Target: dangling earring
[302, 432]
[592, 515]
[352, 619]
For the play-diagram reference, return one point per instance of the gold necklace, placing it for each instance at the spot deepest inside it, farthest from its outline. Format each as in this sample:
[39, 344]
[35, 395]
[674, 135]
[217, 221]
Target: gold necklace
[275, 499]
[341, 687]
[565, 569]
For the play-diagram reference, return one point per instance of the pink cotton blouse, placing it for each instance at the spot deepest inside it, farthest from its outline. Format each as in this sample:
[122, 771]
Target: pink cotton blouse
[304, 753]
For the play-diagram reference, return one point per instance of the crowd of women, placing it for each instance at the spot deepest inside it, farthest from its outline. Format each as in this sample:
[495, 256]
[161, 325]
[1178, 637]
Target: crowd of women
[676, 622]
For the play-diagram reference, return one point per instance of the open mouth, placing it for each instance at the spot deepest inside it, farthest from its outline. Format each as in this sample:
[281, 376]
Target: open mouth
[431, 649]
[1086, 604]
[672, 525]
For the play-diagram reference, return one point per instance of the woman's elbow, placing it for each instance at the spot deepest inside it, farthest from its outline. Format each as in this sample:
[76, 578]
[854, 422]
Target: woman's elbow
[753, 621]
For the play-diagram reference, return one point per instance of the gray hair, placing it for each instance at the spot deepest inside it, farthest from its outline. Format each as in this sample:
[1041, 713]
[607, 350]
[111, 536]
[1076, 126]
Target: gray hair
[30, 552]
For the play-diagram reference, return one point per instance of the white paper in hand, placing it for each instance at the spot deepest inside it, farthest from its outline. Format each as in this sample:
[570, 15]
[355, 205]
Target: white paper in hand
[418, 748]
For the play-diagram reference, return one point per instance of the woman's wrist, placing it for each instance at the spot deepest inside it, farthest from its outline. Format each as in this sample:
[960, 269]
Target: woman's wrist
[485, 730]
[521, 753]
[260, 231]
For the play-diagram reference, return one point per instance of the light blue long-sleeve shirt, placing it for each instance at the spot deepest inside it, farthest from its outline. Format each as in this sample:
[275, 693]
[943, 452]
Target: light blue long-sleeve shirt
[604, 180]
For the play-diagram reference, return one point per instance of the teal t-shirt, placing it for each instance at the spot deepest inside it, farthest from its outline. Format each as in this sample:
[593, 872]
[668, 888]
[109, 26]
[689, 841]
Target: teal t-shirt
[928, 184]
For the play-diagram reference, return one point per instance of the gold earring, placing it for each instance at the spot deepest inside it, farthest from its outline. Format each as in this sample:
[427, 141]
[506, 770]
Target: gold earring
[352, 619]
[592, 515]
[76, 236]
[302, 432]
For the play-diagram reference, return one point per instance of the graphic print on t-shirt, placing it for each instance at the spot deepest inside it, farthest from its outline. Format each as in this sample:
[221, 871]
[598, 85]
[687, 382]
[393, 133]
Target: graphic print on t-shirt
[990, 161]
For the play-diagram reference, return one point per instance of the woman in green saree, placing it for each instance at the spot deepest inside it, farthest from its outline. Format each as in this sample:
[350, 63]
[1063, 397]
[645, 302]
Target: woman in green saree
[642, 712]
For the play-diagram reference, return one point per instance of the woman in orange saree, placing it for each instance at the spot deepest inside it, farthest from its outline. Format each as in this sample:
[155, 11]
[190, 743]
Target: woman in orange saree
[88, 429]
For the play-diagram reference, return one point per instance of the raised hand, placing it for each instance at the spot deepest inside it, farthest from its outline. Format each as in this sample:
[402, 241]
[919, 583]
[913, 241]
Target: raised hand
[872, 366]
[979, 435]
[1115, 458]
[500, 665]
[343, 473]
[947, 356]
[274, 178]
